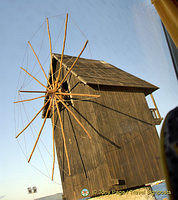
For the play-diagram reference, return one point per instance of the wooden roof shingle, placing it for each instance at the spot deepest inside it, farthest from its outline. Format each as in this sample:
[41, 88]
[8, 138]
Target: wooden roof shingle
[102, 73]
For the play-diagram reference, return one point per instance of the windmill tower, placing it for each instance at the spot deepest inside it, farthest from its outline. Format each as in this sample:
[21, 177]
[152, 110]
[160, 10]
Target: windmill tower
[123, 151]
[103, 130]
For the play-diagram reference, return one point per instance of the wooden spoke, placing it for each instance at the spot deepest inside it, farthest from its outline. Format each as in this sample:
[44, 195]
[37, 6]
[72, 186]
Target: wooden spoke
[34, 77]
[32, 119]
[75, 94]
[40, 132]
[74, 116]
[51, 65]
[60, 93]
[73, 65]
[62, 130]
[62, 52]
[29, 99]
[53, 143]
[39, 63]
[33, 91]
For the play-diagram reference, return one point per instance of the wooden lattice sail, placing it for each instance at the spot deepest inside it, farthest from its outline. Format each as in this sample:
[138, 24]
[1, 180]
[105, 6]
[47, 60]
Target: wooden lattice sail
[55, 96]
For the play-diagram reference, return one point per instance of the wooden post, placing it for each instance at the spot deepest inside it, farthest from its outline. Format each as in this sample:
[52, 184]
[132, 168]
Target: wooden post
[155, 106]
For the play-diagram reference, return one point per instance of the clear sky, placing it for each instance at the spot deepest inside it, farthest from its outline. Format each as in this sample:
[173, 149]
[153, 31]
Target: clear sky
[125, 33]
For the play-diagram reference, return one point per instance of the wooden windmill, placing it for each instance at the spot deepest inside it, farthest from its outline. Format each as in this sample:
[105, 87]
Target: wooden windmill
[103, 129]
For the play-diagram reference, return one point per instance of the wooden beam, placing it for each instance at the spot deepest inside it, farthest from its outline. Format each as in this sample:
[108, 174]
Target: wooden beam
[51, 66]
[155, 105]
[34, 77]
[32, 119]
[39, 63]
[61, 93]
[62, 52]
[74, 116]
[63, 135]
[40, 132]
[29, 99]
[76, 94]
[73, 64]
[53, 144]
[33, 91]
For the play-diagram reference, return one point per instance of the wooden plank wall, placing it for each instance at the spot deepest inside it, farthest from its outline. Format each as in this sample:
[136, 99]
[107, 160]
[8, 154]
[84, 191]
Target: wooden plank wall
[132, 129]
[88, 170]
[124, 143]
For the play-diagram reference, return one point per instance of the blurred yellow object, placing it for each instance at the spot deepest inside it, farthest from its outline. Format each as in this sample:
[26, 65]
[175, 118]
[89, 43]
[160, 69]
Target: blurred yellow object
[168, 12]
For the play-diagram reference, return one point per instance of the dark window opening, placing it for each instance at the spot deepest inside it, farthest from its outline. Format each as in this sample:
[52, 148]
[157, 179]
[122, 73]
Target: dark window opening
[65, 88]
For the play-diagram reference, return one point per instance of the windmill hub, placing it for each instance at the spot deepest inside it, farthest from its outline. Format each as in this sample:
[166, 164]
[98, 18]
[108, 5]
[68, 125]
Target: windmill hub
[54, 91]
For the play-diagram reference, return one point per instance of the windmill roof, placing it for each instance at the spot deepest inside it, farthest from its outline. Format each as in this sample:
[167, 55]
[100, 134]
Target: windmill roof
[99, 72]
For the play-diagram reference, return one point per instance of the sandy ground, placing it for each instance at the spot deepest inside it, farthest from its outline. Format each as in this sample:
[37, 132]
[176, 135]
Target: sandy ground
[139, 194]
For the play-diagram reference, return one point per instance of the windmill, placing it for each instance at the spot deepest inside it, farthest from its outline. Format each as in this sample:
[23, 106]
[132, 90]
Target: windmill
[55, 94]
[104, 132]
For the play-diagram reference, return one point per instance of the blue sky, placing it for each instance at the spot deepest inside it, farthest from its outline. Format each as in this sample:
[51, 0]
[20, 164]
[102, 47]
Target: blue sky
[127, 34]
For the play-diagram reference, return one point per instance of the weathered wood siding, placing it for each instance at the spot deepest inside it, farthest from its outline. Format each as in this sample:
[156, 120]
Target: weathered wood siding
[124, 144]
